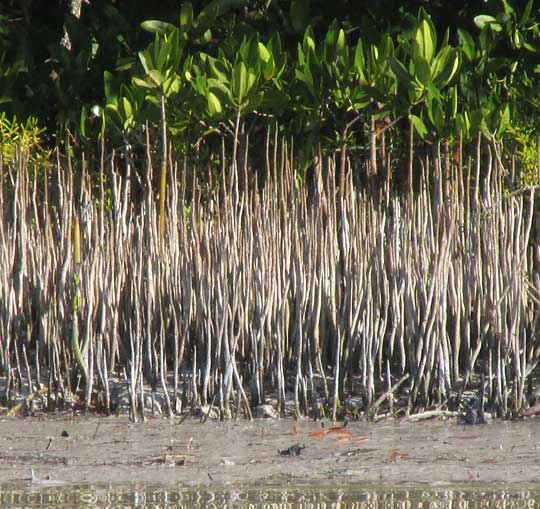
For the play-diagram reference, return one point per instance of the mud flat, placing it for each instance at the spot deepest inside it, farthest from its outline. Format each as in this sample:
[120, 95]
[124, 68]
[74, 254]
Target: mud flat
[113, 450]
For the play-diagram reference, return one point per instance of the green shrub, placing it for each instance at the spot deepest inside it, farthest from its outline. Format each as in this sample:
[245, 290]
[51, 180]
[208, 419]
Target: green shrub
[25, 136]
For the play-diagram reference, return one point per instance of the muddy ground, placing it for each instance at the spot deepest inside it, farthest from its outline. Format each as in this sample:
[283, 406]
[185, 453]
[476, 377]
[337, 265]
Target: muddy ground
[113, 450]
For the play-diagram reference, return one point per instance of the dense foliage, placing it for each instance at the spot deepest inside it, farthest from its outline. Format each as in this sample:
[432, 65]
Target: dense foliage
[335, 75]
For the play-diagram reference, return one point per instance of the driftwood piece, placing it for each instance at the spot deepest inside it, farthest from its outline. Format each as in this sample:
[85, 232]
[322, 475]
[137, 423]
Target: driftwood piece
[431, 414]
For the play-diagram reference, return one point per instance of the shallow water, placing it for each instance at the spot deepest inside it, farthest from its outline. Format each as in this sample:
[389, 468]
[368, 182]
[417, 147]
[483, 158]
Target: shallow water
[270, 498]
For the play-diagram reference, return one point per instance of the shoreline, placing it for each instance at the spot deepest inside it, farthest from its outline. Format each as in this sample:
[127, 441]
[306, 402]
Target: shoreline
[82, 450]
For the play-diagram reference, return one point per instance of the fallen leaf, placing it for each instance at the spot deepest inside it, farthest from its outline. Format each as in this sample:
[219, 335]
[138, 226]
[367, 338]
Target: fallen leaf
[396, 455]
[319, 434]
[340, 431]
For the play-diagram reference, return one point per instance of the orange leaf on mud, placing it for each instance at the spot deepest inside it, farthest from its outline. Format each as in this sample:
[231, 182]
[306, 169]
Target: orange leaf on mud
[340, 431]
[396, 454]
[319, 434]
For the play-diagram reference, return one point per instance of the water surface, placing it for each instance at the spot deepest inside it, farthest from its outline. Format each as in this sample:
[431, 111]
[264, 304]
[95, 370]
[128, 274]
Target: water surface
[331, 497]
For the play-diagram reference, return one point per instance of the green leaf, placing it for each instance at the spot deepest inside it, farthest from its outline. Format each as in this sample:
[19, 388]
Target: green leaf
[264, 54]
[341, 43]
[255, 101]
[419, 126]
[360, 99]
[359, 59]
[222, 88]
[124, 63]
[127, 109]
[309, 41]
[467, 44]
[111, 95]
[526, 13]
[171, 85]
[143, 83]
[83, 121]
[454, 101]
[207, 36]
[386, 47]
[252, 78]
[436, 114]
[504, 115]
[306, 77]
[445, 66]
[146, 61]
[219, 68]
[485, 19]
[463, 123]
[214, 104]
[508, 9]
[239, 82]
[401, 72]
[477, 118]
[156, 26]
[156, 76]
[269, 69]
[330, 41]
[175, 45]
[422, 71]
[164, 53]
[426, 40]
[200, 85]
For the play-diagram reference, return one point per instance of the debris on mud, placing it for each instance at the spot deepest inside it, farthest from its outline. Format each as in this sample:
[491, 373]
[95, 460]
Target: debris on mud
[293, 450]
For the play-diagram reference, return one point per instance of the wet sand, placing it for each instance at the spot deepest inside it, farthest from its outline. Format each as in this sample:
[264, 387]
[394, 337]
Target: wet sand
[161, 451]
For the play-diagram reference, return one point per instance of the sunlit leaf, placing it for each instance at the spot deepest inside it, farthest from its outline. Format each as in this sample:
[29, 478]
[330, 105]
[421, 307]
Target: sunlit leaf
[359, 60]
[143, 83]
[110, 89]
[426, 40]
[419, 126]
[127, 109]
[146, 60]
[214, 104]
[484, 19]
[156, 76]
[263, 52]
[156, 26]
